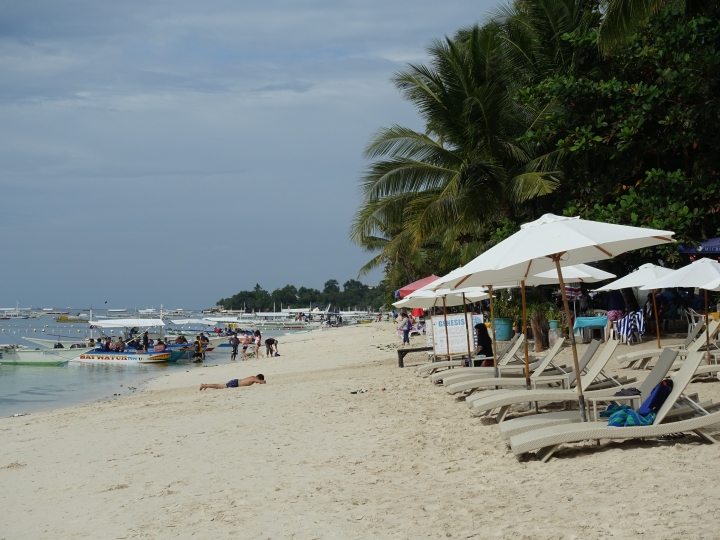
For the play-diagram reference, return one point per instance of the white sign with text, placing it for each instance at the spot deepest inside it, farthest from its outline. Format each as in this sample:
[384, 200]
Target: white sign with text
[457, 333]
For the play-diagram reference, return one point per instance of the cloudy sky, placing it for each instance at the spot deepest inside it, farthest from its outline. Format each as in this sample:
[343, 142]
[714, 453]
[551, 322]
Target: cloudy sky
[176, 152]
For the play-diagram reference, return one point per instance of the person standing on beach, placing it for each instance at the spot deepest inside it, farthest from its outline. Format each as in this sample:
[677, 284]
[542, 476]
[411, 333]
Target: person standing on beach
[145, 341]
[205, 342]
[198, 348]
[258, 338]
[235, 383]
[405, 326]
[234, 343]
[270, 344]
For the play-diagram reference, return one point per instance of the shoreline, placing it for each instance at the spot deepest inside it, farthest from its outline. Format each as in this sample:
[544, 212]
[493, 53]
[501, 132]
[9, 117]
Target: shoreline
[302, 457]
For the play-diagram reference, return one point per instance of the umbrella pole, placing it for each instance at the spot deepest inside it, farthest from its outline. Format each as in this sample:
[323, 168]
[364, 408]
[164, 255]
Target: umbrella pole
[707, 327]
[492, 317]
[576, 365]
[527, 352]
[657, 318]
[447, 339]
[467, 330]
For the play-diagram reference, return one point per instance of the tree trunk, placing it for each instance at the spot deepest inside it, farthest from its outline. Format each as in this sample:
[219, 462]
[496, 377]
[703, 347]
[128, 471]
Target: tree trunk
[631, 303]
[540, 330]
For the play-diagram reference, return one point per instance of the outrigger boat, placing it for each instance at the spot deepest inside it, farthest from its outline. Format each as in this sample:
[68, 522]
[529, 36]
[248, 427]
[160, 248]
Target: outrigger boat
[129, 355]
[22, 356]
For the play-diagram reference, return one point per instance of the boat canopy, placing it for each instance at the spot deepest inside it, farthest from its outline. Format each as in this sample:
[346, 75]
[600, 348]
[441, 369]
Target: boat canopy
[193, 321]
[126, 323]
[220, 319]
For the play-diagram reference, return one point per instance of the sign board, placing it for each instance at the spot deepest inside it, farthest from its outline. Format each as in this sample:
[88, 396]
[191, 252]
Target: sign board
[457, 332]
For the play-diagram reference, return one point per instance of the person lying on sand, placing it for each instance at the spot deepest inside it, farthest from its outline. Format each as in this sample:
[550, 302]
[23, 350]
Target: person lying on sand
[247, 381]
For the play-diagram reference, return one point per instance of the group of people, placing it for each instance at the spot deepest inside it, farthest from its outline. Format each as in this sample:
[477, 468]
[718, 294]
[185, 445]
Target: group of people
[252, 339]
[143, 343]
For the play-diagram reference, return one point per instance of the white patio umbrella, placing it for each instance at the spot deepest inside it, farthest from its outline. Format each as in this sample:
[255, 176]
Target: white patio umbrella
[426, 297]
[704, 274]
[647, 273]
[579, 272]
[552, 241]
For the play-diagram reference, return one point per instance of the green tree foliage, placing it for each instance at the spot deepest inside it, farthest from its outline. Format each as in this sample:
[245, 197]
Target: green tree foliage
[526, 115]
[354, 294]
[638, 131]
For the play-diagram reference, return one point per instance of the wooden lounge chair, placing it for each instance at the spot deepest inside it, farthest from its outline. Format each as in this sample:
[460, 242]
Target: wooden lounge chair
[694, 342]
[503, 357]
[483, 382]
[545, 441]
[485, 404]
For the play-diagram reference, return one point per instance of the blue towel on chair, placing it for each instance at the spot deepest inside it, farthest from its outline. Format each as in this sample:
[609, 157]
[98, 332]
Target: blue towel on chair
[624, 416]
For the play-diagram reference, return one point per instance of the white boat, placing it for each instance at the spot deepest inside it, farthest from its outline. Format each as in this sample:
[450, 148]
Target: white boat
[67, 343]
[15, 313]
[21, 356]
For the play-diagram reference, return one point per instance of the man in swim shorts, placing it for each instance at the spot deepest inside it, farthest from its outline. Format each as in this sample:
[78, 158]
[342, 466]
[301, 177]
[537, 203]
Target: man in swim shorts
[235, 383]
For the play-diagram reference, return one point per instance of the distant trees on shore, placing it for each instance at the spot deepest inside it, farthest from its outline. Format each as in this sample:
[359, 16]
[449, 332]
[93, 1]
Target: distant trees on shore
[353, 294]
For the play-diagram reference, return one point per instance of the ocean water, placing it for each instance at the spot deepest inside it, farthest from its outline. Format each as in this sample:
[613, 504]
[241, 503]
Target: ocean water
[31, 389]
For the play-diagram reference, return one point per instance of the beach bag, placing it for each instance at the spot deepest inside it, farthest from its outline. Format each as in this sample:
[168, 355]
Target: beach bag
[657, 397]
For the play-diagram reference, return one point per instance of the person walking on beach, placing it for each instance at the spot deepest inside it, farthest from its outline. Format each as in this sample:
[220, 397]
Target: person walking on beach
[405, 326]
[245, 345]
[234, 343]
[270, 344]
[236, 383]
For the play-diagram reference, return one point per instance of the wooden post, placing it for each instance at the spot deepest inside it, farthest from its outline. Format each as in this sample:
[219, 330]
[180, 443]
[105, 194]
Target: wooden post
[467, 330]
[492, 318]
[707, 327]
[447, 339]
[576, 365]
[527, 352]
[657, 318]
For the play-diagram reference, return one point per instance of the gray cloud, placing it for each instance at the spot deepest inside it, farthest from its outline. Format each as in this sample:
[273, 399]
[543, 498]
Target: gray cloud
[176, 152]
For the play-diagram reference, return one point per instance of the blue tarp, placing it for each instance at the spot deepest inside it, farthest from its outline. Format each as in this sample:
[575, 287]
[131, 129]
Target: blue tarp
[709, 246]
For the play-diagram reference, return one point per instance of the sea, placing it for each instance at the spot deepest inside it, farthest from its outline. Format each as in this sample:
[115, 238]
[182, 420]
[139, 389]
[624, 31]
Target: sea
[32, 389]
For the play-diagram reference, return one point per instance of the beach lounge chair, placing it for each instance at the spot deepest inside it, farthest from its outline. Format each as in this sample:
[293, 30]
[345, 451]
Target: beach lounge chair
[483, 382]
[694, 342]
[545, 441]
[515, 369]
[502, 401]
[509, 428]
[504, 357]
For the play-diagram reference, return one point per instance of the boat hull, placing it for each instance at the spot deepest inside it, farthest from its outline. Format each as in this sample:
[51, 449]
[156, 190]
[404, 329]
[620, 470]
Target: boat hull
[123, 358]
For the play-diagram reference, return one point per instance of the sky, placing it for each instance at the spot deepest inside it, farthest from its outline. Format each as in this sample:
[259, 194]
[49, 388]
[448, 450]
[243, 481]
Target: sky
[175, 152]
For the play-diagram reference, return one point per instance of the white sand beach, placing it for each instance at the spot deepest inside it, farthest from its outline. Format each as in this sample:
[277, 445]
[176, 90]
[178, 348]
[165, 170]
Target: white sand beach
[301, 457]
